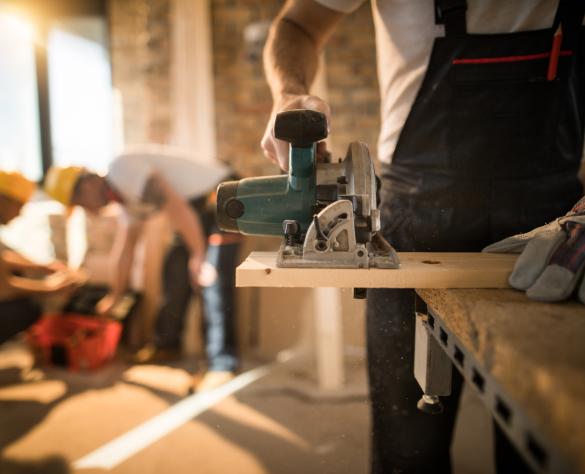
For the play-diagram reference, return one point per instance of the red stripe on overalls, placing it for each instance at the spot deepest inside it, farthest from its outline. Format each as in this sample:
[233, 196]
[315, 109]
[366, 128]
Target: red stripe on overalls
[508, 59]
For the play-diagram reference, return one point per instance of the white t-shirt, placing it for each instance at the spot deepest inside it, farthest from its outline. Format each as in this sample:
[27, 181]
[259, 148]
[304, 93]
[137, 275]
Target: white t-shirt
[405, 32]
[129, 174]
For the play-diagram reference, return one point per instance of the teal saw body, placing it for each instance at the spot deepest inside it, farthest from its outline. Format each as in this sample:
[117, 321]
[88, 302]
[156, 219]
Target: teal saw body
[326, 213]
[258, 206]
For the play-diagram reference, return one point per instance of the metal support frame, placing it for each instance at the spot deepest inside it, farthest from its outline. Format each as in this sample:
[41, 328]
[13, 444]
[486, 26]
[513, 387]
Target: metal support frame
[534, 445]
[432, 367]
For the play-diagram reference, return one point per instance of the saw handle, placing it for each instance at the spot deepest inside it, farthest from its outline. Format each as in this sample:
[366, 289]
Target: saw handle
[301, 128]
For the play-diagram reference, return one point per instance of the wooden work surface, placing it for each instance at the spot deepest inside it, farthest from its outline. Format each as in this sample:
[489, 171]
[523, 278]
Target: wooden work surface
[535, 351]
[418, 270]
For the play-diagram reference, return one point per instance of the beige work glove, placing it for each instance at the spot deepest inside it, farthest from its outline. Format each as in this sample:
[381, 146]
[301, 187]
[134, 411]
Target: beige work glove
[552, 257]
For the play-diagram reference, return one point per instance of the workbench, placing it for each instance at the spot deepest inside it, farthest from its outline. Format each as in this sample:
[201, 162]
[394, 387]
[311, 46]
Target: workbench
[525, 359]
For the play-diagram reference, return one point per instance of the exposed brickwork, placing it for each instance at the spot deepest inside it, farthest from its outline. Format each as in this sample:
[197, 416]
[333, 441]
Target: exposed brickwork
[243, 100]
[140, 35]
[141, 59]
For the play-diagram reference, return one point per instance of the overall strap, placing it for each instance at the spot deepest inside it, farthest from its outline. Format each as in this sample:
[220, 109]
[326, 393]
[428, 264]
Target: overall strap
[570, 15]
[452, 14]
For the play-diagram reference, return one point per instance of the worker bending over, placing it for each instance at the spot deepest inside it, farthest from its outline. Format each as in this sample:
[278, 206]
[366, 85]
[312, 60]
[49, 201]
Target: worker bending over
[18, 293]
[154, 179]
[483, 107]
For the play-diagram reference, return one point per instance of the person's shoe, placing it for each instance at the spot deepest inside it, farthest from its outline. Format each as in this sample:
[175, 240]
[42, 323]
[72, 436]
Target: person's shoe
[212, 379]
[150, 354]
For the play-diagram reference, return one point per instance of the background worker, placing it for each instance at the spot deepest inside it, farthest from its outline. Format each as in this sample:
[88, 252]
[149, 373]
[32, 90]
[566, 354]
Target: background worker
[18, 293]
[154, 179]
[478, 141]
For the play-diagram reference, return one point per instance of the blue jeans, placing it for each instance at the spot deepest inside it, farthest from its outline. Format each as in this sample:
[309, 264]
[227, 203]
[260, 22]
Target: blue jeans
[218, 304]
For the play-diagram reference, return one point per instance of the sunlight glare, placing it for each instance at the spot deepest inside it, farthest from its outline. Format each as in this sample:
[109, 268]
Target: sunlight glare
[17, 25]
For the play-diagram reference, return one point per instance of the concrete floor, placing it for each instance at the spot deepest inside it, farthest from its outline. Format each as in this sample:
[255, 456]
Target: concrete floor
[49, 423]
[54, 418]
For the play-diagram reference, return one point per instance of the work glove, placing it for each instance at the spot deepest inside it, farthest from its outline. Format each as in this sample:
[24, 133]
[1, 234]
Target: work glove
[552, 257]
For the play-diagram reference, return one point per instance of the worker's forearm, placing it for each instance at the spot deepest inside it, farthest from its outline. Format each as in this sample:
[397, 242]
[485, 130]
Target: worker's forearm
[124, 264]
[187, 223]
[123, 257]
[27, 286]
[16, 261]
[291, 58]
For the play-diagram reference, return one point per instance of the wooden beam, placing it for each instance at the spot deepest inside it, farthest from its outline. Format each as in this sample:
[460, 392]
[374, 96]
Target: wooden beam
[329, 338]
[192, 77]
[418, 270]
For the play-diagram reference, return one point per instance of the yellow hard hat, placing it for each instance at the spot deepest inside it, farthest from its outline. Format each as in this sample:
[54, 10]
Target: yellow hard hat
[60, 183]
[16, 186]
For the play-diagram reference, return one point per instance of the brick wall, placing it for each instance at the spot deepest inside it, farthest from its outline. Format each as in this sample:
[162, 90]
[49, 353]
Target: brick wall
[141, 64]
[243, 101]
[140, 35]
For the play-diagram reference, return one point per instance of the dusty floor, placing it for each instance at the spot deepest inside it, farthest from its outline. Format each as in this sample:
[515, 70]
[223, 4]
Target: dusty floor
[55, 418]
[46, 425]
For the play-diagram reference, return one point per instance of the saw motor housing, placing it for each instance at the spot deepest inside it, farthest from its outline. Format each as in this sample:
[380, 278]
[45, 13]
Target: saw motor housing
[327, 213]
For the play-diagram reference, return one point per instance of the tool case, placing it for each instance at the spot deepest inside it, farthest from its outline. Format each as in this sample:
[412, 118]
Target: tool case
[75, 341]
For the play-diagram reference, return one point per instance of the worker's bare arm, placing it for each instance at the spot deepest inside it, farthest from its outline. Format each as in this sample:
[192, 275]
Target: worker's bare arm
[32, 287]
[291, 58]
[18, 262]
[6, 289]
[185, 221]
[122, 256]
[291, 55]
[12, 286]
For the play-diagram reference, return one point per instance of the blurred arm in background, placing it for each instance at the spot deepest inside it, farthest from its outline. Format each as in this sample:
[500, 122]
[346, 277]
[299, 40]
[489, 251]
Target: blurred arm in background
[13, 286]
[186, 222]
[17, 262]
[123, 256]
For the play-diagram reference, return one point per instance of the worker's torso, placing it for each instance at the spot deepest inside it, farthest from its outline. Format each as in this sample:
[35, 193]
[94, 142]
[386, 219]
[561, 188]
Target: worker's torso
[405, 33]
[130, 173]
[194, 181]
[492, 142]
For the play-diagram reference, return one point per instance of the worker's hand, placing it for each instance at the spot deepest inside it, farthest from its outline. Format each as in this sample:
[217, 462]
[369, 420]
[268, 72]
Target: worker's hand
[552, 259]
[61, 283]
[207, 275]
[277, 150]
[105, 306]
[195, 264]
[53, 267]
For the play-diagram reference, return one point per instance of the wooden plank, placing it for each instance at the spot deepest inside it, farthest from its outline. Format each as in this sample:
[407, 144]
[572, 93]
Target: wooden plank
[192, 76]
[533, 350]
[418, 270]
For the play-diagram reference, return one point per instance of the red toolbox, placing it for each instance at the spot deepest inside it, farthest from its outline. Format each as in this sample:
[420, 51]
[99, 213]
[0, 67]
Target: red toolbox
[74, 341]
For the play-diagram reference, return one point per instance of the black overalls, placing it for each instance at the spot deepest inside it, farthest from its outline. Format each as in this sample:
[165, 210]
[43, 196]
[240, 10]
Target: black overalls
[491, 148]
